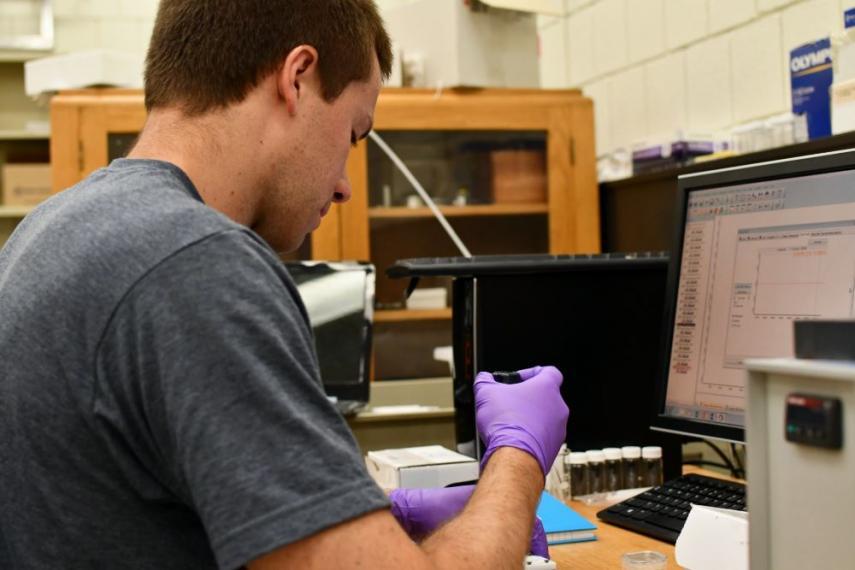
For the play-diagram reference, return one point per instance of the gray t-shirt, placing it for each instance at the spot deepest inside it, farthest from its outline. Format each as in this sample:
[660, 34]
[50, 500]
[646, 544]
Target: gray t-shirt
[160, 403]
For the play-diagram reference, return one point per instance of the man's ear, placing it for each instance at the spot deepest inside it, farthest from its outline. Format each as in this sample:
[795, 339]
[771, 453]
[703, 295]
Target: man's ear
[297, 74]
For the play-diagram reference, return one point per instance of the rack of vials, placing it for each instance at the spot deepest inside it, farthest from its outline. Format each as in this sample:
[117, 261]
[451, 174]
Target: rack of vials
[579, 474]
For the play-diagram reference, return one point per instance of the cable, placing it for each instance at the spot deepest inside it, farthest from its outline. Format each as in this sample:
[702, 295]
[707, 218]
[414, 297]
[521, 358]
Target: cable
[703, 462]
[738, 458]
[420, 191]
[734, 472]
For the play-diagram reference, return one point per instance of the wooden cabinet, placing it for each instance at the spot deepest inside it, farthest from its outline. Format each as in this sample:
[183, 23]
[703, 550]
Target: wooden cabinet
[92, 127]
[478, 123]
[18, 146]
[89, 127]
[23, 129]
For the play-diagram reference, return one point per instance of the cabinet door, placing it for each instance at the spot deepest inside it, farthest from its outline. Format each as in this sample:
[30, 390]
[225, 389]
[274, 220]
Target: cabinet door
[513, 171]
[490, 185]
[561, 120]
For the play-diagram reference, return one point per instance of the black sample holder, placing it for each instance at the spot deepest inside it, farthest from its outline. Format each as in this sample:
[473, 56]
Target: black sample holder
[825, 339]
[598, 318]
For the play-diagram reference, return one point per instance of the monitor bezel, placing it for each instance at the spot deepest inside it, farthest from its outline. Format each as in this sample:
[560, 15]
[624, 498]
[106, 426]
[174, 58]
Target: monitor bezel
[748, 174]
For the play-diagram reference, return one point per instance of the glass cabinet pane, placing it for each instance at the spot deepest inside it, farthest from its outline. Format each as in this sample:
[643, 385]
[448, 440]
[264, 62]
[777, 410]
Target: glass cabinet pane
[460, 167]
[119, 145]
[491, 185]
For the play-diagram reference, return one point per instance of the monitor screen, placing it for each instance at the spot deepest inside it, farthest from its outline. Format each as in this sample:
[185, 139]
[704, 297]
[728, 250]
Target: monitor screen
[339, 300]
[759, 247]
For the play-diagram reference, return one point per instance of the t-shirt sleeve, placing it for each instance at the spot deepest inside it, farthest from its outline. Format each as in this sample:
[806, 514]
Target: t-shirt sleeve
[207, 383]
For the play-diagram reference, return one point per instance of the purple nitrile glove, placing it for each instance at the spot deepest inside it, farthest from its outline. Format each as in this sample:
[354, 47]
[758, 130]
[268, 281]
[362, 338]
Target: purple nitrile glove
[539, 546]
[422, 511]
[530, 415]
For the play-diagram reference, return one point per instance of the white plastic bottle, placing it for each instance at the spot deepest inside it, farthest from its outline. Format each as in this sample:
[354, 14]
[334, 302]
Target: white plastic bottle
[632, 477]
[652, 466]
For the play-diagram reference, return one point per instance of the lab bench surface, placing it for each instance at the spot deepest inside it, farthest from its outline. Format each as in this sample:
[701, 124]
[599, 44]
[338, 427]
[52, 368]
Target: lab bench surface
[612, 542]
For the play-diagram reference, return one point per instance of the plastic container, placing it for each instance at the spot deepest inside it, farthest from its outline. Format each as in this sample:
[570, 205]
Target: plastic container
[652, 466]
[577, 463]
[614, 469]
[644, 560]
[632, 476]
[596, 471]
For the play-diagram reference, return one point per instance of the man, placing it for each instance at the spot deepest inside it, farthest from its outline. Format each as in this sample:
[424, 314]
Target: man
[159, 397]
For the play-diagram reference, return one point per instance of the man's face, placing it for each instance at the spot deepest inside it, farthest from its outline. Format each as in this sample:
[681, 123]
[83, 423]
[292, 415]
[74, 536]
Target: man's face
[306, 184]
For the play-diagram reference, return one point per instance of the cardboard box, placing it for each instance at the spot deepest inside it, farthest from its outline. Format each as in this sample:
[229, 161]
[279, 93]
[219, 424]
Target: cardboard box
[25, 184]
[420, 467]
[83, 69]
[519, 176]
[843, 107]
[811, 76]
[427, 298]
[447, 43]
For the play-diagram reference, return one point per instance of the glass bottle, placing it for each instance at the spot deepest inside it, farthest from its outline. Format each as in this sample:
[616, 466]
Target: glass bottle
[614, 469]
[578, 464]
[596, 471]
[652, 465]
[632, 466]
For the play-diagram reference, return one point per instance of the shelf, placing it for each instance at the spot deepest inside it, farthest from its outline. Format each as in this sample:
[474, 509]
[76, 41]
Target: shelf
[395, 316]
[23, 134]
[14, 211]
[11, 55]
[370, 416]
[383, 213]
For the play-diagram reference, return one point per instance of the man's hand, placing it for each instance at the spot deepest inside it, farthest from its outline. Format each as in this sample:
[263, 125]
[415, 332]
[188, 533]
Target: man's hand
[422, 511]
[530, 416]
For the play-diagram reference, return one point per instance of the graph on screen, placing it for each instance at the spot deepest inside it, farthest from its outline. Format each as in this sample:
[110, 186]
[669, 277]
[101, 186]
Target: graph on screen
[789, 281]
[785, 273]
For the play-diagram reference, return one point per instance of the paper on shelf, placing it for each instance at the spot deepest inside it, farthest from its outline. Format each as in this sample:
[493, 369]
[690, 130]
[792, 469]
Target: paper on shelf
[402, 409]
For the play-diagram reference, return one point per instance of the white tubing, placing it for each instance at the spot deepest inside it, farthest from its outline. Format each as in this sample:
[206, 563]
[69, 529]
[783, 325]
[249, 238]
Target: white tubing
[421, 192]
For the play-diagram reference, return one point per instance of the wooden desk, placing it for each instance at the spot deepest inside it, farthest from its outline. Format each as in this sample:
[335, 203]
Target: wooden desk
[612, 542]
[605, 552]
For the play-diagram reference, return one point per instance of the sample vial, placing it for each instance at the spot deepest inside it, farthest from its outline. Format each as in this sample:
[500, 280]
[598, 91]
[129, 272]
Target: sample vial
[614, 469]
[462, 197]
[596, 471]
[652, 465]
[578, 467]
[632, 477]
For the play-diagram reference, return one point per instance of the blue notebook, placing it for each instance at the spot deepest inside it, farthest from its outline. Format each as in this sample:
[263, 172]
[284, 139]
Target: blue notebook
[561, 523]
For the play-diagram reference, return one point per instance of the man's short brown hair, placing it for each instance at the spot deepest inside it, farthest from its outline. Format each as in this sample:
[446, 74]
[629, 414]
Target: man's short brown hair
[208, 54]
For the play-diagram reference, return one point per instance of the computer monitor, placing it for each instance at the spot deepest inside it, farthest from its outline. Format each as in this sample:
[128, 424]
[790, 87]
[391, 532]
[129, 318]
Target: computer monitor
[597, 318]
[758, 247]
[339, 299]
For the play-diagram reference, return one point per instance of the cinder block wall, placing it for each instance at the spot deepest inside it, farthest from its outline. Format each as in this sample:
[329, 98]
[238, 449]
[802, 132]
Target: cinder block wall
[654, 67]
[116, 24]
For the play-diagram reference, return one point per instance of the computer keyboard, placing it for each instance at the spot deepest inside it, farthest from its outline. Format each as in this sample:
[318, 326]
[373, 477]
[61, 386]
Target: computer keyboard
[661, 511]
